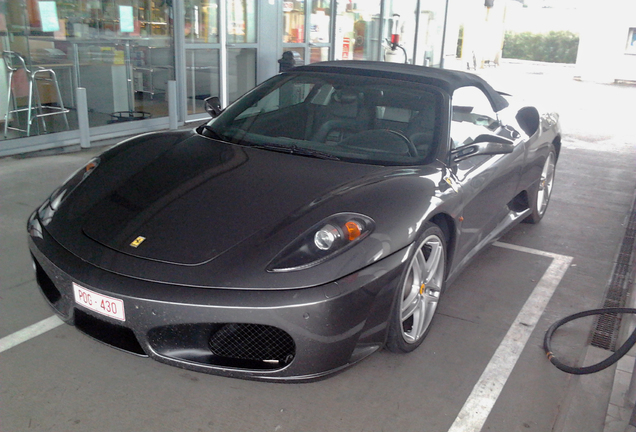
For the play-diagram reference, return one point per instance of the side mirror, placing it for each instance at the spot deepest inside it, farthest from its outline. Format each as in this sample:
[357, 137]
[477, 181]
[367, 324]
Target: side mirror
[528, 119]
[485, 144]
[213, 106]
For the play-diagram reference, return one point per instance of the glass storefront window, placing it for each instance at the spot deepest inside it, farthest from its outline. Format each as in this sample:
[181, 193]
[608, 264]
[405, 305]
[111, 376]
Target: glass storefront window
[294, 21]
[401, 20]
[320, 22]
[319, 54]
[202, 77]
[358, 30]
[203, 67]
[202, 21]
[241, 71]
[430, 32]
[121, 51]
[241, 21]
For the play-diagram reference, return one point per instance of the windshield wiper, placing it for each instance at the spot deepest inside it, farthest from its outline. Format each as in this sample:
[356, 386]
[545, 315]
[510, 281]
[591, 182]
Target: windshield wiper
[313, 153]
[291, 149]
[294, 149]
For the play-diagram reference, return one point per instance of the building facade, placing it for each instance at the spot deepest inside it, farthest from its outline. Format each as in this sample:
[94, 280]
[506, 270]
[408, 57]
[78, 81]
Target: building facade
[77, 71]
[607, 49]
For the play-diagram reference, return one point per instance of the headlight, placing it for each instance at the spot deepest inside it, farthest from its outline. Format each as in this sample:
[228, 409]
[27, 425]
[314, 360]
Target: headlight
[323, 241]
[47, 210]
[330, 237]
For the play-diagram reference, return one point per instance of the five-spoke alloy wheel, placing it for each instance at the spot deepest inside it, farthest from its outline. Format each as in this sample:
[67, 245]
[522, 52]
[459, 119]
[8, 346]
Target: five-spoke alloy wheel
[539, 198]
[419, 293]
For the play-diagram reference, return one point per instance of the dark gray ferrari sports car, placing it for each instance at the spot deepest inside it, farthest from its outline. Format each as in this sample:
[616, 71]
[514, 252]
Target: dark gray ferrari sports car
[312, 222]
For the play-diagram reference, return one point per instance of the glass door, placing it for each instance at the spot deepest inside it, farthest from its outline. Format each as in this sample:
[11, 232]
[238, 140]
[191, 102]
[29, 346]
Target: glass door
[220, 51]
[202, 53]
[358, 30]
[308, 36]
[241, 48]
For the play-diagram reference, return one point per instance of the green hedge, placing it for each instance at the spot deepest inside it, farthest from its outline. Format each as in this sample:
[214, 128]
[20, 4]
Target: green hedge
[553, 47]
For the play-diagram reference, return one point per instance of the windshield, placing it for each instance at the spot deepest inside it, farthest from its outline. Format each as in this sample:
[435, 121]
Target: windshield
[347, 117]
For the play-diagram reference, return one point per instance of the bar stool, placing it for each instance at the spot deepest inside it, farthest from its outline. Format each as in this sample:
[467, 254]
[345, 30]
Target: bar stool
[35, 110]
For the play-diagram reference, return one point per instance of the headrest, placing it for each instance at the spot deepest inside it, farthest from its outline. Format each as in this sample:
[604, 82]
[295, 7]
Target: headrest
[345, 96]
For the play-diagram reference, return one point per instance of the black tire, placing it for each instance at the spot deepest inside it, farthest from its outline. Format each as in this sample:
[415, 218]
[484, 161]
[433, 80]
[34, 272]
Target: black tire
[419, 292]
[539, 196]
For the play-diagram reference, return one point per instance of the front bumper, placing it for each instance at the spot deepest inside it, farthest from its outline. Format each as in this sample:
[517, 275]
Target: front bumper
[297, 335]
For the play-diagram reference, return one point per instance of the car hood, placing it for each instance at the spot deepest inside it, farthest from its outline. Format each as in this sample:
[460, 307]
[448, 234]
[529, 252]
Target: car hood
[182, 200]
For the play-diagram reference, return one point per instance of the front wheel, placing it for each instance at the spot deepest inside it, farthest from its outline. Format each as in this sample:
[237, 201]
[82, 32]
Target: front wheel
[419, 292]
[539, 197]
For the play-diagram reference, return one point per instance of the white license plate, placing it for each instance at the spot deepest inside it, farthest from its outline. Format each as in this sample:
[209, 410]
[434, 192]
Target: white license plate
[109, 306]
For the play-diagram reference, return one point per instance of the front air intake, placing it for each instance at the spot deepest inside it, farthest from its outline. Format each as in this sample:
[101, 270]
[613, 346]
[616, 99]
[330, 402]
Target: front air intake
[45, 283]
[253, 342]
[114, 335]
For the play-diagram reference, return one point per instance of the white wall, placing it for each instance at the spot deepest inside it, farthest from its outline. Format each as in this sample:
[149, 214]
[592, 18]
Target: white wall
[603, 53]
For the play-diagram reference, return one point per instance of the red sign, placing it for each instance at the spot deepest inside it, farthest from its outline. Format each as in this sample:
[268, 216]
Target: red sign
[346, 42]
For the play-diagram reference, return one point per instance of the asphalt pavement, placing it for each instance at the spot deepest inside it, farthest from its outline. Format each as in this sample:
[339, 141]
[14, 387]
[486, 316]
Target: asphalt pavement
[56, 379]
[595, 118]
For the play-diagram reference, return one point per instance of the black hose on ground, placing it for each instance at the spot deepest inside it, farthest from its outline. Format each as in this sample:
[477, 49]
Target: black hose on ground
[629, 343]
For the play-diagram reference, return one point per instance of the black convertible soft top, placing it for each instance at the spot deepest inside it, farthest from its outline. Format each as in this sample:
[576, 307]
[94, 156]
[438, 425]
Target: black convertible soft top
[448, 80]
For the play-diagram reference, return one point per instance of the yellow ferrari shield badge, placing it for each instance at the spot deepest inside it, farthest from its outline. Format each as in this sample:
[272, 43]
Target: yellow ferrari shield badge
[139, 240]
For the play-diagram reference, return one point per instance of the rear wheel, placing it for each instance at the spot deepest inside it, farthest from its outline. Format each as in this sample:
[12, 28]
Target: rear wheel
[539, 197]
[419, 293]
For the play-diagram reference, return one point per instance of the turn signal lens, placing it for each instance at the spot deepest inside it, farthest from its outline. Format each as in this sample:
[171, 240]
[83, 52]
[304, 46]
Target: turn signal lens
[353, 229]
[91, 165]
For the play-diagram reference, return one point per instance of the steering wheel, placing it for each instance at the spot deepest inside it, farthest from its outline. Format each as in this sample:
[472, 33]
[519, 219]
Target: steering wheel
[412, 150]
[381, 141]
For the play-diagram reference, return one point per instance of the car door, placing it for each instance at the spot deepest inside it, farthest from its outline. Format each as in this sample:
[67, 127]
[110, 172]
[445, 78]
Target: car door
[486, 183]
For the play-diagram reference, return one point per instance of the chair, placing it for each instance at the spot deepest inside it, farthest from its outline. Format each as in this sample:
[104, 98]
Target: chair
[338, 119]
[17, 68]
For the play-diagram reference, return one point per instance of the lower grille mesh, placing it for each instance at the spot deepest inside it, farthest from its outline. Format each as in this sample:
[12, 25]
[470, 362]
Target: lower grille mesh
[253, 342]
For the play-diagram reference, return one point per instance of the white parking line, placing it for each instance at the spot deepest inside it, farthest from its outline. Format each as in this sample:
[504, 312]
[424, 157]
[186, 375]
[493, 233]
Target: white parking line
[29, 332]
[479, 404]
